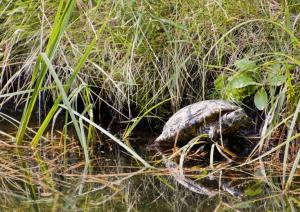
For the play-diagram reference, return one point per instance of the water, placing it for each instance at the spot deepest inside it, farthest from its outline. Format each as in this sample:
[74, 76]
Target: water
[116, 182]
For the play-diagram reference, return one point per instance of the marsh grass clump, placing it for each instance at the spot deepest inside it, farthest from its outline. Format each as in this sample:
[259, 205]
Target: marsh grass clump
[149, 51]
[145, 60]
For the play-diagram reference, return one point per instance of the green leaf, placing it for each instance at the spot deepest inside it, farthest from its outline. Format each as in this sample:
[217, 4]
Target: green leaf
[220, 82]
[245, 64]
[254, 191]
[242, 80]
[275, 76]
[261, 99]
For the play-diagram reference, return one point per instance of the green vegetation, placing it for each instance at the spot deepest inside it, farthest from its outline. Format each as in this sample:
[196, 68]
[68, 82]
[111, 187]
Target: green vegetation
[144, 60]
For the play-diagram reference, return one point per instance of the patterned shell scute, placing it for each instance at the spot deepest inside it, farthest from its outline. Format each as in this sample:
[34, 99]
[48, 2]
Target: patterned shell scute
[190, 117]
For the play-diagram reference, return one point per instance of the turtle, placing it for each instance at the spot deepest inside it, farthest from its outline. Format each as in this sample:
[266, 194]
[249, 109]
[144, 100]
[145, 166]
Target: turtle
[210, 117]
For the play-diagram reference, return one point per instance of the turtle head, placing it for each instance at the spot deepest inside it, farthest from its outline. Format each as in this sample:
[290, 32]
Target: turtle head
[236, 119]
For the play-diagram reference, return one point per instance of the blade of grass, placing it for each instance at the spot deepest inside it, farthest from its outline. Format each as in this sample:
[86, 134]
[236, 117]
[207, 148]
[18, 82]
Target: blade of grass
[296, 161]
[60, 24]
[68, 104]
[135, 123]
[128, 149]
[70, 81]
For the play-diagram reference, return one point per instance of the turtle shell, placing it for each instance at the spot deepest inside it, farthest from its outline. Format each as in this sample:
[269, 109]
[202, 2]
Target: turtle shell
[184, 124]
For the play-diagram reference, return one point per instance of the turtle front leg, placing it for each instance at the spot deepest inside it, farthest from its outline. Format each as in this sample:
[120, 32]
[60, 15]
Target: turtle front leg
[213, 132]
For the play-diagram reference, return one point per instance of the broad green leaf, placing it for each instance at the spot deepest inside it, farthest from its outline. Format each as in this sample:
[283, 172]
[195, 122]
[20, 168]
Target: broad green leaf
[239, 94]
[275, 76]
[261, 99]
[245, 64]
[242, 80]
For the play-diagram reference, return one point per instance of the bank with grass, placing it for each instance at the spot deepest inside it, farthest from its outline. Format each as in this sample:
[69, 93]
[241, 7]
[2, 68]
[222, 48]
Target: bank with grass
[141, 61]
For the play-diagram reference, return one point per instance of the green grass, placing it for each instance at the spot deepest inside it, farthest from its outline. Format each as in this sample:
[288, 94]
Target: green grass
[147, 59]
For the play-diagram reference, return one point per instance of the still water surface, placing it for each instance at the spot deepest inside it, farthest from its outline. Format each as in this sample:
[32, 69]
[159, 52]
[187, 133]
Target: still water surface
[114, 181]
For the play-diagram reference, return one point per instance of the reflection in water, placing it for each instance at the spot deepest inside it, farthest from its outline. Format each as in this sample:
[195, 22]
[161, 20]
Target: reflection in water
[114, 181]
